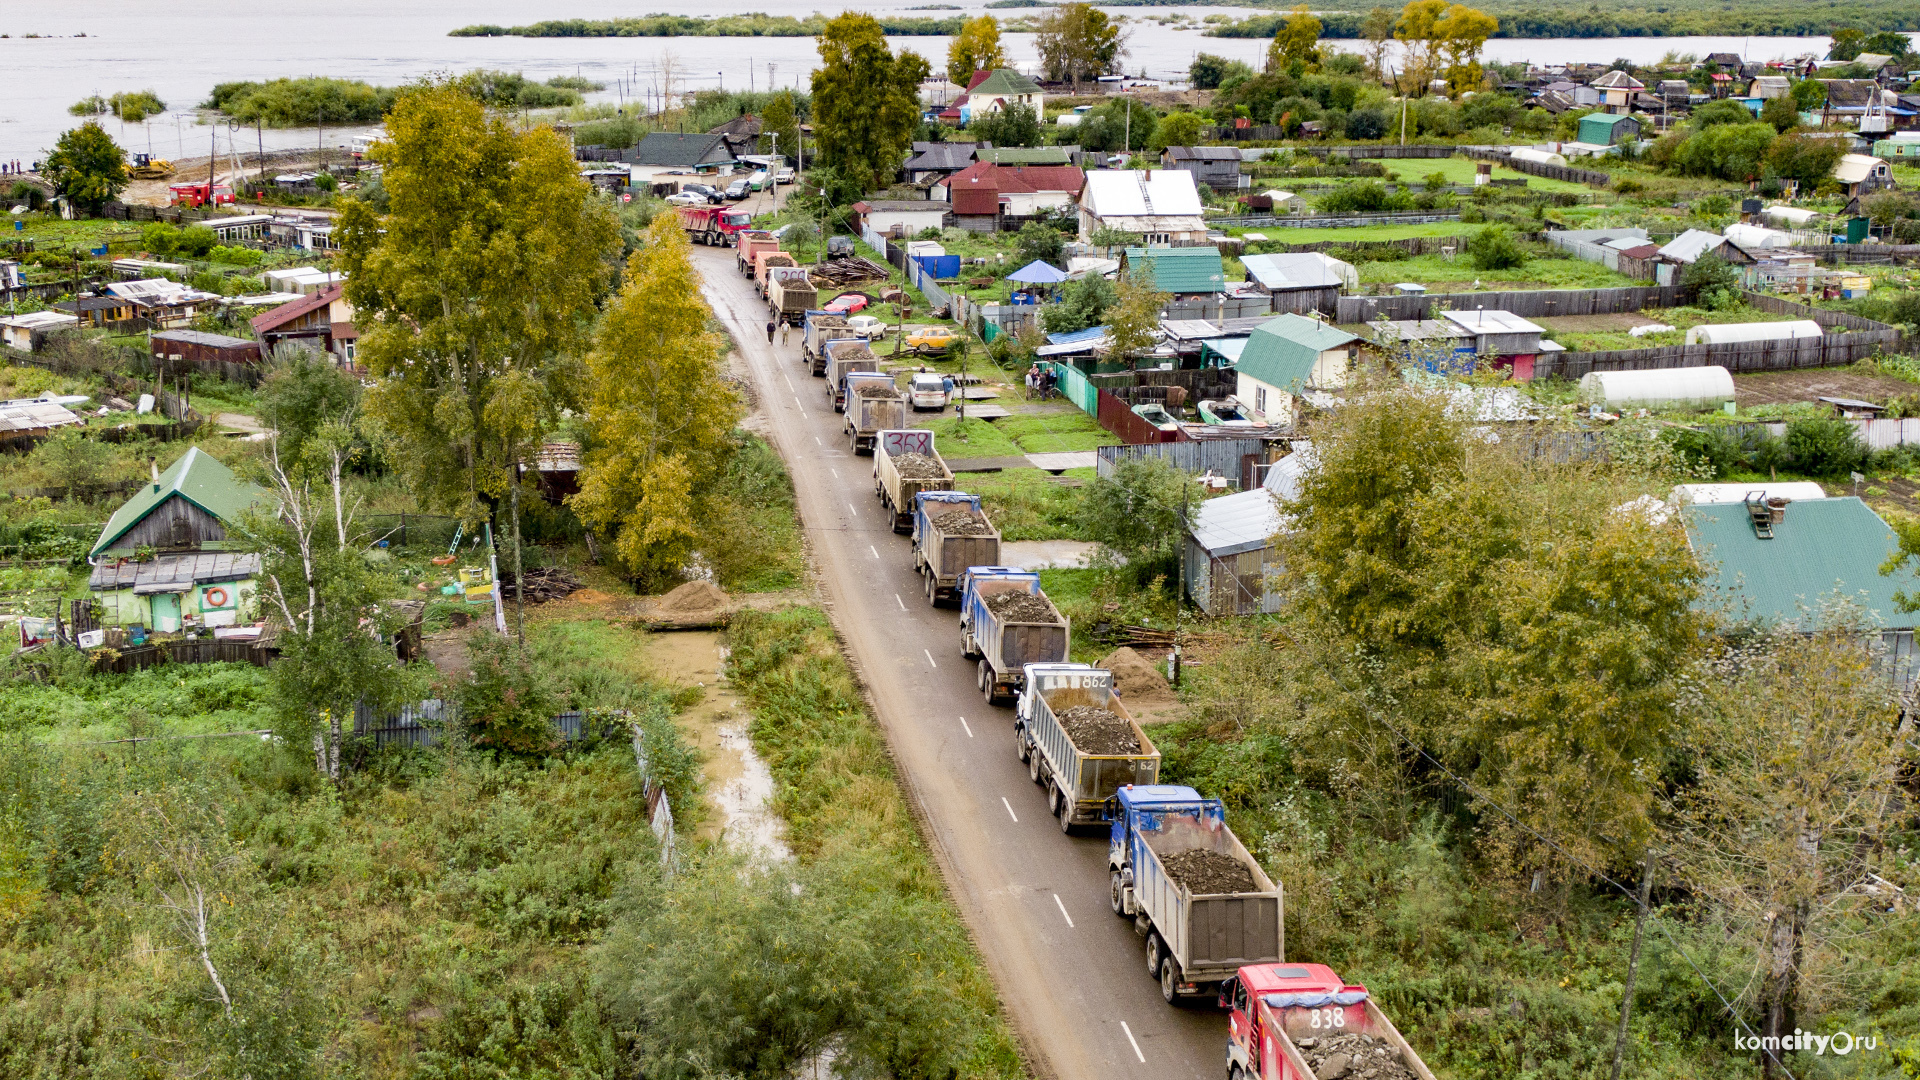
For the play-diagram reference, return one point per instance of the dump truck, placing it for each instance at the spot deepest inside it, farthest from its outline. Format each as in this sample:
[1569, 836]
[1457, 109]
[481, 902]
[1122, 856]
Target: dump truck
[763, 263]
[790, 294]
[1006, 623]
[845, 357]
[1079, 742]
[874, 404]
[714, 226]
[1204, 905]
[897, 481]
[816, 329]
[945, 548]
[751, 243]
[1287, 1021]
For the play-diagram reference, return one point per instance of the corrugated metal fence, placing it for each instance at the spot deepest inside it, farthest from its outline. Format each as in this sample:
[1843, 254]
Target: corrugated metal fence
[1222, 457]
[1828, 350]
[1543, 303]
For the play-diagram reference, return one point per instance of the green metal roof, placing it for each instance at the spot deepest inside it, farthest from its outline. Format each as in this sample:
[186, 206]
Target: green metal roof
[1282, 351]
[1823, 547]
[1004, 83]
[1606, 119]
[1181, 269]
[1024, 155]
[197, 478]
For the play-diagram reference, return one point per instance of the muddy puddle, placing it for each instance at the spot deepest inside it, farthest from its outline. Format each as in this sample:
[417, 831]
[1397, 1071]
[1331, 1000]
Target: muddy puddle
[739, 785]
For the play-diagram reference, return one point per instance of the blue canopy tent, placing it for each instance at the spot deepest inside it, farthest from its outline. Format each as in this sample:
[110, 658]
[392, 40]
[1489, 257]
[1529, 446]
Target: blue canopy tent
[1038, 273]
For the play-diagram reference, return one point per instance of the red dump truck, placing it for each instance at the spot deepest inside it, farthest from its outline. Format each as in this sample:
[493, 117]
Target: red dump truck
[1301, 1021]
[751, 243]
[714, 226]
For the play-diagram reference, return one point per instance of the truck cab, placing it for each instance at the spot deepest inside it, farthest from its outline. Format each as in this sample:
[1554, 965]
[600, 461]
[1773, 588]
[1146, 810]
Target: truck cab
[1135, 802]
[1275, 1011]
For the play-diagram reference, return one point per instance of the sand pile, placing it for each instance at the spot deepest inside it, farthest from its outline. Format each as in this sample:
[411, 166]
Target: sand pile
[1096, 731]
[1138, 680]
[962, 523]
[694, 598]
[1208, 873]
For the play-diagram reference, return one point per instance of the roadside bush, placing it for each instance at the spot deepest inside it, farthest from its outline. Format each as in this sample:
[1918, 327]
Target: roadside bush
[1494, 248]
[1825, 446]
[1142, 512]
[1366, 124]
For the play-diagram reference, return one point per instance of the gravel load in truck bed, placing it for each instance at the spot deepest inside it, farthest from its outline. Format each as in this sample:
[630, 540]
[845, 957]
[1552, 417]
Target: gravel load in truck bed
[1353, 1056]
[917, 467]
[1020, 607]
[961, 523]
[877, 390]
[1206, 873]
[1096, 731]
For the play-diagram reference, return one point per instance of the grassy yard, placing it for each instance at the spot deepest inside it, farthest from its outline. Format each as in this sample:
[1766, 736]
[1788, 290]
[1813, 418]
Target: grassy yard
[1681, 319]
[1460, 170]
[1282, 234]
[1459, 272]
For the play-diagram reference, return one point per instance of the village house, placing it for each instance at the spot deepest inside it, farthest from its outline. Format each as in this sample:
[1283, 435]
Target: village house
[1163, 206]
[1285, 357]
[901, 218]
[323, 320]
[935, 161]
[1303, 281]
[164, 559]
[664, 152]
[1617, 89]
[1218, 167]
[1184, 273]
[28, 332]
[984, 194]
[742, 134]
[1775, 570]
[165, 303]
[1862, 174]
[97, 310]
[195, 346]
[1506, 341]
[1600, 129]
[239, 227]
[1000, 89]
[1769, 86]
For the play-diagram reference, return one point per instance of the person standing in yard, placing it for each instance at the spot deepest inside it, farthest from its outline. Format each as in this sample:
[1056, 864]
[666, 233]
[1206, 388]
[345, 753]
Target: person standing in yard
[946, 387]
[770, 327]
[1033, 378]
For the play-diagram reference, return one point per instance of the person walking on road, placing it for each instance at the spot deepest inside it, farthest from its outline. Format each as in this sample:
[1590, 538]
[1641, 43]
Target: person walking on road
[770, 327]
[784, 327]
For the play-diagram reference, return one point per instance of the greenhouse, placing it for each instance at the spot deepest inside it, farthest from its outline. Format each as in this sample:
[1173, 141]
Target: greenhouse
[1727, 333]
[1662, 388]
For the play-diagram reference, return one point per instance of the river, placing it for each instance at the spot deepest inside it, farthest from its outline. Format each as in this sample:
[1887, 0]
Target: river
[129, 45]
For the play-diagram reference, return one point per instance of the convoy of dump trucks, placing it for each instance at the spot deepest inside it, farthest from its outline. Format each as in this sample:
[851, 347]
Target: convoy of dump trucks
[1213, 924]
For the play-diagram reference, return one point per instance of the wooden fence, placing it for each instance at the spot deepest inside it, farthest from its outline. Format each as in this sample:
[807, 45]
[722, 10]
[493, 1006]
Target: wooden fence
[1541, 169]
[1828, 350]
[1844, 320]
[424, 724]
[246, 374]
[1536, 304]
[1118, 417]
[141, 657]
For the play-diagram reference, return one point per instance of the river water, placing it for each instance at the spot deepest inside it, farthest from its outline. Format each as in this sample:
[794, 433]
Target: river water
[138, 44]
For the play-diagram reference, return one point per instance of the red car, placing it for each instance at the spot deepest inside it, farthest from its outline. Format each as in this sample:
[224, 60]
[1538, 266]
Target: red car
[848, 304]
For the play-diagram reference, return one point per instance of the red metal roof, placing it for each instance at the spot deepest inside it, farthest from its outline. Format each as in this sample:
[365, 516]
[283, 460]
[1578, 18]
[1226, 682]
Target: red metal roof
[266, 322]
[1263, 977]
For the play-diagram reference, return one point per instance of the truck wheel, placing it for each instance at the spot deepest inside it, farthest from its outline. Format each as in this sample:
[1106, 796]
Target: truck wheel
[980, 675]
[1033, 769]
[1156, 957]
[1053, 798]
[1116, 893]
[1169, 978]
[933, 592]
[1066, 814]
[1020, 745]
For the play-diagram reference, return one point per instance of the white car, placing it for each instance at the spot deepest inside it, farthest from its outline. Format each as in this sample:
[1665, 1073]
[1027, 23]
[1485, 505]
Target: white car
[927, 390]
[784, 176]
[868, 327]
[687, 198]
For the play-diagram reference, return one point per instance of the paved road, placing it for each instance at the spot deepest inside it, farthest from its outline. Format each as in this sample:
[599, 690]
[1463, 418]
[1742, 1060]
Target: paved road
[1072, 976]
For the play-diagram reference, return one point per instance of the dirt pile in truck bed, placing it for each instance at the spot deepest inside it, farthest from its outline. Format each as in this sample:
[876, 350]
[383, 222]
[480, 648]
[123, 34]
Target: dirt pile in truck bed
[961, 523]
[1353, 1056]
[917, 467]
[1096, 731]
[1020, 607]
[877, 390]
[1205, 873]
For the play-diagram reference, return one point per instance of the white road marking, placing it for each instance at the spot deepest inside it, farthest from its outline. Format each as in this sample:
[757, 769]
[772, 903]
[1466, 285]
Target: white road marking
[1136, 1043]
[1016, 821]
[897, 600]
[1069, 918]
[816, 438]
[856, 513]
[790, 386]
[963, 723]
[929, 652]
[875, 550]
[836, 472]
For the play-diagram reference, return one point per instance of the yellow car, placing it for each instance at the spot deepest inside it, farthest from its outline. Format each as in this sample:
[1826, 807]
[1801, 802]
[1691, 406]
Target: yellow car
[932, 339]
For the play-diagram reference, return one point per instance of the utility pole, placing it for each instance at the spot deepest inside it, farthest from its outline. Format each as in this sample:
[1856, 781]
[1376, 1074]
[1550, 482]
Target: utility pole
[1403, 109]
[1633, 967]
[213, 151]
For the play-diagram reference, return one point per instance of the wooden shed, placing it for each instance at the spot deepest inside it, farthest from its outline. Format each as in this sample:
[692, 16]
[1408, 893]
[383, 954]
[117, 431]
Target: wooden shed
[202, 347]
[1228, 558]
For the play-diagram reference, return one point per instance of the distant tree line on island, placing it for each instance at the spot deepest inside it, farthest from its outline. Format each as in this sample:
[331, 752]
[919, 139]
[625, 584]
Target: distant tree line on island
[755, 25]
[1681, 18]
[303, 102]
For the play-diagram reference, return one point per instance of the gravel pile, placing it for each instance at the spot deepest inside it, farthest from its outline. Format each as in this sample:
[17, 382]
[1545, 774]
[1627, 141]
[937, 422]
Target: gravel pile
[1206, 873]
[1096, 731]
[918, 467]
[1020, 607]
[1353, 1056]
[877, 390]
[961, 523]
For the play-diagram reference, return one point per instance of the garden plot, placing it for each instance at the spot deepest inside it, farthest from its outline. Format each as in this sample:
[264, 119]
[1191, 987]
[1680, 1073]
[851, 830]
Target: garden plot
[1788, 387]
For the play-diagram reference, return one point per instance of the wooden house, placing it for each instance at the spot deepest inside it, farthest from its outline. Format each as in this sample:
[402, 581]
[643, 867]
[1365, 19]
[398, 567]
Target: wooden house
[1229, 561]
[165, 559]
[1617, 89]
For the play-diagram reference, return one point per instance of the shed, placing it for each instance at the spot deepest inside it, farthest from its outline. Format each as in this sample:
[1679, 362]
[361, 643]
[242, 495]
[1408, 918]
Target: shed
[1218, 167]
[906, 217]
[1732, 493]
[1300, 270]
[1182, 271]
[1819, 548]
[1229, 559]
[200, 346]
[1770, 86]
[26, 332]
[1862, 174]
[1286, 356]
[1497, 333]
[1692, 244]
[1661, 387]
[1723, 333]
[1599, 129]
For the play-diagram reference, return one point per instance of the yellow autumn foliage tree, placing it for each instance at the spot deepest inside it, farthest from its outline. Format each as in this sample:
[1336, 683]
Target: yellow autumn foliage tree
[658, 410]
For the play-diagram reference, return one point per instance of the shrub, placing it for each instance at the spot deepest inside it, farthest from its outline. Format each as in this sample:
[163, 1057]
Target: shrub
[196, 241]
[160, 239]
[1825, 446]
[1717, 282]
[1494, 248]
[236, 256]
[1366, 124]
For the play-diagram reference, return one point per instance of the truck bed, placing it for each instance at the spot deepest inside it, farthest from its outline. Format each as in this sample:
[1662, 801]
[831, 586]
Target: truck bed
[1211, 936]
[896, 491]
[1082, 779]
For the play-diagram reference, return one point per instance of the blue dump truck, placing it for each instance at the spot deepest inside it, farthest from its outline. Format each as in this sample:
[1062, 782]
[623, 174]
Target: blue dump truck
[950, 535]
[1205, 906]
[1006, 622]
[1078, 741]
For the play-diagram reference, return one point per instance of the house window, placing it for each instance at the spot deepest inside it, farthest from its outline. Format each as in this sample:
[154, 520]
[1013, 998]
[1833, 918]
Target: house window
[1260, 400]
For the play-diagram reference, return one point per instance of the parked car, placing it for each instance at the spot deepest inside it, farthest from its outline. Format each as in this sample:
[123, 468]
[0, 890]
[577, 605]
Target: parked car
[847, 303]
[759, 181]
[687, 198]
[784, 176]
[932, 339]
[705, 191]
[738, 189]
[927, 390]
[839, 247]
[867, 327]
